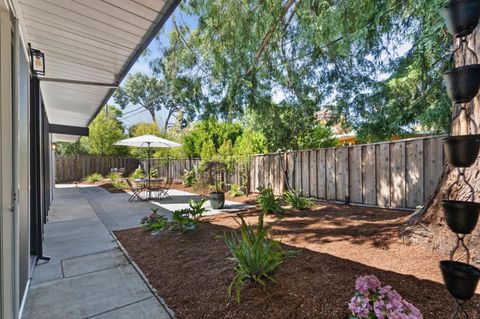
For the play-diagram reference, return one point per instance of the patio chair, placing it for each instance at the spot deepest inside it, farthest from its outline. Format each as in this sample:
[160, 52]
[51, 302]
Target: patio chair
[155, 186]
[163, 192]
[136, 190]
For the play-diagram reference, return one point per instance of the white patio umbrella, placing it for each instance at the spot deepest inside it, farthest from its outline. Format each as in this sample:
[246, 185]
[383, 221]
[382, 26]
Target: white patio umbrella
[149, 141]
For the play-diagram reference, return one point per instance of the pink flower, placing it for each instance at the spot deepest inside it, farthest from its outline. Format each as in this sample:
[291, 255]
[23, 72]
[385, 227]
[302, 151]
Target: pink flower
[371, 300]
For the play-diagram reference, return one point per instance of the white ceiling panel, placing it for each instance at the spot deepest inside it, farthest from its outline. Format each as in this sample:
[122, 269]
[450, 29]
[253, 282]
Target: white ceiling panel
[88, 41]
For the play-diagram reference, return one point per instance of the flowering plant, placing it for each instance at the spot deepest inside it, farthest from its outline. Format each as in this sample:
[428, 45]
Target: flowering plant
[372, 301]
[154, 221]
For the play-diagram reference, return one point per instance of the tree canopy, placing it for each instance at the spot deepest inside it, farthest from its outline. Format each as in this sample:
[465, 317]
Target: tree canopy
[374, 63]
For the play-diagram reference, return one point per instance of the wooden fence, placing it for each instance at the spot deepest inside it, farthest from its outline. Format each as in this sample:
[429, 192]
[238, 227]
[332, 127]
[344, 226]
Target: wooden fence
[69, 169]
[172, 168]
[400, 174]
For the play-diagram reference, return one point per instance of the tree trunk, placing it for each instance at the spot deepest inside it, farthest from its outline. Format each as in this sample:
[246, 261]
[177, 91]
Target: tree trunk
[431, 227]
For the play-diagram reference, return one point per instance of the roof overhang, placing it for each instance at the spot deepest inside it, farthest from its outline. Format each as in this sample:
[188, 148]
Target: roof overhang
[89, 47]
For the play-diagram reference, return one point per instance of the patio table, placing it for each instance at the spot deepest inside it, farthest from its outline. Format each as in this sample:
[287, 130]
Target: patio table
[151, 184]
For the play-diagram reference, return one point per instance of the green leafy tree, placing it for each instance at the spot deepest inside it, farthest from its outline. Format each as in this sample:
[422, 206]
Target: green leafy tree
[143, 91]
[71, 149]
[374, 63]
[104, 131]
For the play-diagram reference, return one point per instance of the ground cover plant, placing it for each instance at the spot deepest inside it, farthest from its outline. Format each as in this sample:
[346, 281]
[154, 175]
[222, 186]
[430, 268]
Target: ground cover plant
[373, 301]
[154, 221]
[297, 201]
[254, 254]
[182, 221]
[268, 203]
[92, 178]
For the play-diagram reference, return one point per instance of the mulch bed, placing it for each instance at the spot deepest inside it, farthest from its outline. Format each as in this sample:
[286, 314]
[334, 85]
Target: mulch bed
[336, 244]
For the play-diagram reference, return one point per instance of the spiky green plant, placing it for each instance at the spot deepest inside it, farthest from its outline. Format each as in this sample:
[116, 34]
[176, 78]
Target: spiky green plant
[268, 203]
[254, 254]
[297, 201]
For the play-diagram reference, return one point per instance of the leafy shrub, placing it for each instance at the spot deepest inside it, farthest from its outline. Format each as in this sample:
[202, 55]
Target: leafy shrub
[235, 191]
[95, 177]
[268, 202]
[254, 254]
[154, 173]
[137, 174]
[189, 178]
[197, 209]
[297, 201]
[371, 300]
[114, 176]
[217, 187]
[154, 221]
[181, 221]
[120, 184]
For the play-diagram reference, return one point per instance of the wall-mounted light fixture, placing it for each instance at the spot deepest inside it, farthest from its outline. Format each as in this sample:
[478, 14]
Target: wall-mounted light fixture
[37, 61]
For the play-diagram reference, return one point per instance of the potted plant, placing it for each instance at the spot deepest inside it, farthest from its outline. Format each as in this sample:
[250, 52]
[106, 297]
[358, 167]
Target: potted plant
[217, 197]
[461, 16]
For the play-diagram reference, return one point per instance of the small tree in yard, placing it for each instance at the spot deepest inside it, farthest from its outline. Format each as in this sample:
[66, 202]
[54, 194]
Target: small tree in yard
[105, 130]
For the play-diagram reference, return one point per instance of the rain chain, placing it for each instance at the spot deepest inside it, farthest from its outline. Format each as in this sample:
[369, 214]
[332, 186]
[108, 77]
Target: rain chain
[462, 84]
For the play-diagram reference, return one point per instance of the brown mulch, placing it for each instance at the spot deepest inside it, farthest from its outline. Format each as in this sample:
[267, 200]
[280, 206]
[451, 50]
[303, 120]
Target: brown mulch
[336, 243]
[245, 199]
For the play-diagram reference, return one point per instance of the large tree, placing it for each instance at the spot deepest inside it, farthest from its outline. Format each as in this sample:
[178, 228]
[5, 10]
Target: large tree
[343, 56]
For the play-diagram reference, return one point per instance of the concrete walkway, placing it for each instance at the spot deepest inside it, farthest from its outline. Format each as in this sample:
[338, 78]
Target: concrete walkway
[88, 275]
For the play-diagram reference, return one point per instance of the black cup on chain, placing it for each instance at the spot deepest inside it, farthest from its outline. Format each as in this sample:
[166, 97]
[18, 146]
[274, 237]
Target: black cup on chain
[461, 279]
[462, 83]
[462, 150]
[461, 217]
[461, 16]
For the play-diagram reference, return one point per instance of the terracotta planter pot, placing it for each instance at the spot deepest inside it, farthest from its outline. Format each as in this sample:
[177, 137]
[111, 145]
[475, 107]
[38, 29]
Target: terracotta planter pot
[461, 217]
[461, 279]
[217, 200]
[461, 16]
[462, 83]
[462, 150]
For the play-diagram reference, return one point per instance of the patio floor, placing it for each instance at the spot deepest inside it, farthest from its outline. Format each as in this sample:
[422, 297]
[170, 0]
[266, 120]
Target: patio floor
[88, 275]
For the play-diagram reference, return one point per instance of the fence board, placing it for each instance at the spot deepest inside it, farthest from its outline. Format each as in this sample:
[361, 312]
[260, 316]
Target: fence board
[433, 153]
[331, 174]
[341, 176]
[355, 171]
[383, 174]
[369, 187]
[305, 173]
[313, 174]
[414, 172]
[321, 174]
